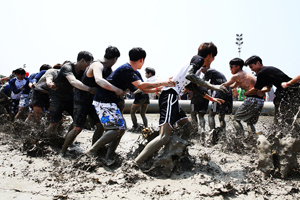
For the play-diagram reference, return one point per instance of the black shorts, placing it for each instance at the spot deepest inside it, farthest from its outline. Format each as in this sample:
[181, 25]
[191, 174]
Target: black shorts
[141, 98]
[199, 105]
[40, 99]
[81, 111]
[169, 108]
[58, 107]
[226, 107]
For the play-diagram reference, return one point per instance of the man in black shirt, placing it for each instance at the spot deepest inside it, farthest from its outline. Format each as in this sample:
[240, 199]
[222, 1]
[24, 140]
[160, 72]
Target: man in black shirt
[286, 102]
[61, 93]
[94, 76]
[217, 78]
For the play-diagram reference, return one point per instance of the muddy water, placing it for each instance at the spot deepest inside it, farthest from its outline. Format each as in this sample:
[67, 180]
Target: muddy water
[222, 171]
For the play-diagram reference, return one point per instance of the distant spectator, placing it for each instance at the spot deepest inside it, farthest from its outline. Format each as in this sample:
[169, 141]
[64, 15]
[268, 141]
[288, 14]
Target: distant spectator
[241, 94]
[234, 94]
[150, 75]
[17, 85]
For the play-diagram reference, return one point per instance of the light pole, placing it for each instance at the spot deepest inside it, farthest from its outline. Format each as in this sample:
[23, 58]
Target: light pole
[239, 42]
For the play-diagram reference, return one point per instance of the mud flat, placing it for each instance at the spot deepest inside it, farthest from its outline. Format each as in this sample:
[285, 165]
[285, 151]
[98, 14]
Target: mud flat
[227, 170]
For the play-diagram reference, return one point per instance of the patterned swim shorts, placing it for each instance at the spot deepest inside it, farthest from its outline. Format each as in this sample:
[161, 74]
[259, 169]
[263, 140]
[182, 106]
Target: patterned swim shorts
[109, 115]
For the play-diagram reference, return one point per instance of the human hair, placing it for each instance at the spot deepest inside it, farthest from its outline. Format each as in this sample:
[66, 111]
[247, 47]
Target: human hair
[207, 48]
[112, 52]
[85, 55]
[66, 61]
[237, 61]
[137, 53]
[253, 60]
[57, 66]
[150, 70]
[20, 71]
[45, 67]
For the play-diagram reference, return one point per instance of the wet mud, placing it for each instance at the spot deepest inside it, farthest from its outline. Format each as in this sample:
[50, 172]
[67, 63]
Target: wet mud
[220, 164]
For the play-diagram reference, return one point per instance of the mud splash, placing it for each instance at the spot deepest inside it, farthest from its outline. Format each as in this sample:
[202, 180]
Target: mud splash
[227, 169]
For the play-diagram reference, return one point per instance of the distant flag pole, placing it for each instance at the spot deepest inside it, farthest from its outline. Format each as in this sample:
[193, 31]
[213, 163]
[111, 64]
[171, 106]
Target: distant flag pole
[239, 42]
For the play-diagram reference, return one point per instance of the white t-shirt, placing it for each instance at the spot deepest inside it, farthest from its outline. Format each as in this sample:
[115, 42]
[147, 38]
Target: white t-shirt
[180, 80]
[19, 84]
[152, 79]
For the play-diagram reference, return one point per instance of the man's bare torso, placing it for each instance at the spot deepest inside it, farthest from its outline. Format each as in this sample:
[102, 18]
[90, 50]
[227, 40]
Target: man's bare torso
[245, 80]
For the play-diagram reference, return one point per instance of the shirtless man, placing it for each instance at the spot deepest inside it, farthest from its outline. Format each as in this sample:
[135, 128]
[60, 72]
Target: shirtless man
[250, 110]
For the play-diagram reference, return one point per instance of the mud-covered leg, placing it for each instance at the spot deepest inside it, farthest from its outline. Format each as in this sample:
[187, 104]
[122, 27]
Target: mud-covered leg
[194, 119]
[51, 129]
[211, 120]
[143, 114]
[187, 128]
[134, 109]
[238, 127]
[222, 121]
[202, 121]
[251, 128]
[98, 132]
[107, 137]
[70, 137]
[112, 147]
[162, 139]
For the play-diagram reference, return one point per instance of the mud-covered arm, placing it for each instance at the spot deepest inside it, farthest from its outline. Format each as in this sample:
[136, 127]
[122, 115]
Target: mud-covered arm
[79, 85]
[252, 91]
[197, 90]
[97, 72]
[193, 87]
[231, 83]
[195, 79]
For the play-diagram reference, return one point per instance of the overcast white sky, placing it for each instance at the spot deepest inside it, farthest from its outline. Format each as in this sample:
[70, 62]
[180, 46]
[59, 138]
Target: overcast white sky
[36, 32]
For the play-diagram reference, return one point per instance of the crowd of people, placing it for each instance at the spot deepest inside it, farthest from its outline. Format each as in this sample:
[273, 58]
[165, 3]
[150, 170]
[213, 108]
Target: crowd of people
[90, 89]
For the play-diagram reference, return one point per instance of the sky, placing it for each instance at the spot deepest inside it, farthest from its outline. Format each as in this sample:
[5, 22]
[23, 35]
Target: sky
[36, 32]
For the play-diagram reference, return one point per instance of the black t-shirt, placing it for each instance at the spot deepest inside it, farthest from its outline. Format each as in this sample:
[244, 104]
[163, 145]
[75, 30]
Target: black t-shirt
[84, 96]
[122, 78]
[197, 95]
[217, 78]
[269, 76]
[65, 89]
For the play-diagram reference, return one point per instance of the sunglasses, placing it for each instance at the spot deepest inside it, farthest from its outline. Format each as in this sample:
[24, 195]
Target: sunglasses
[231, 66]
